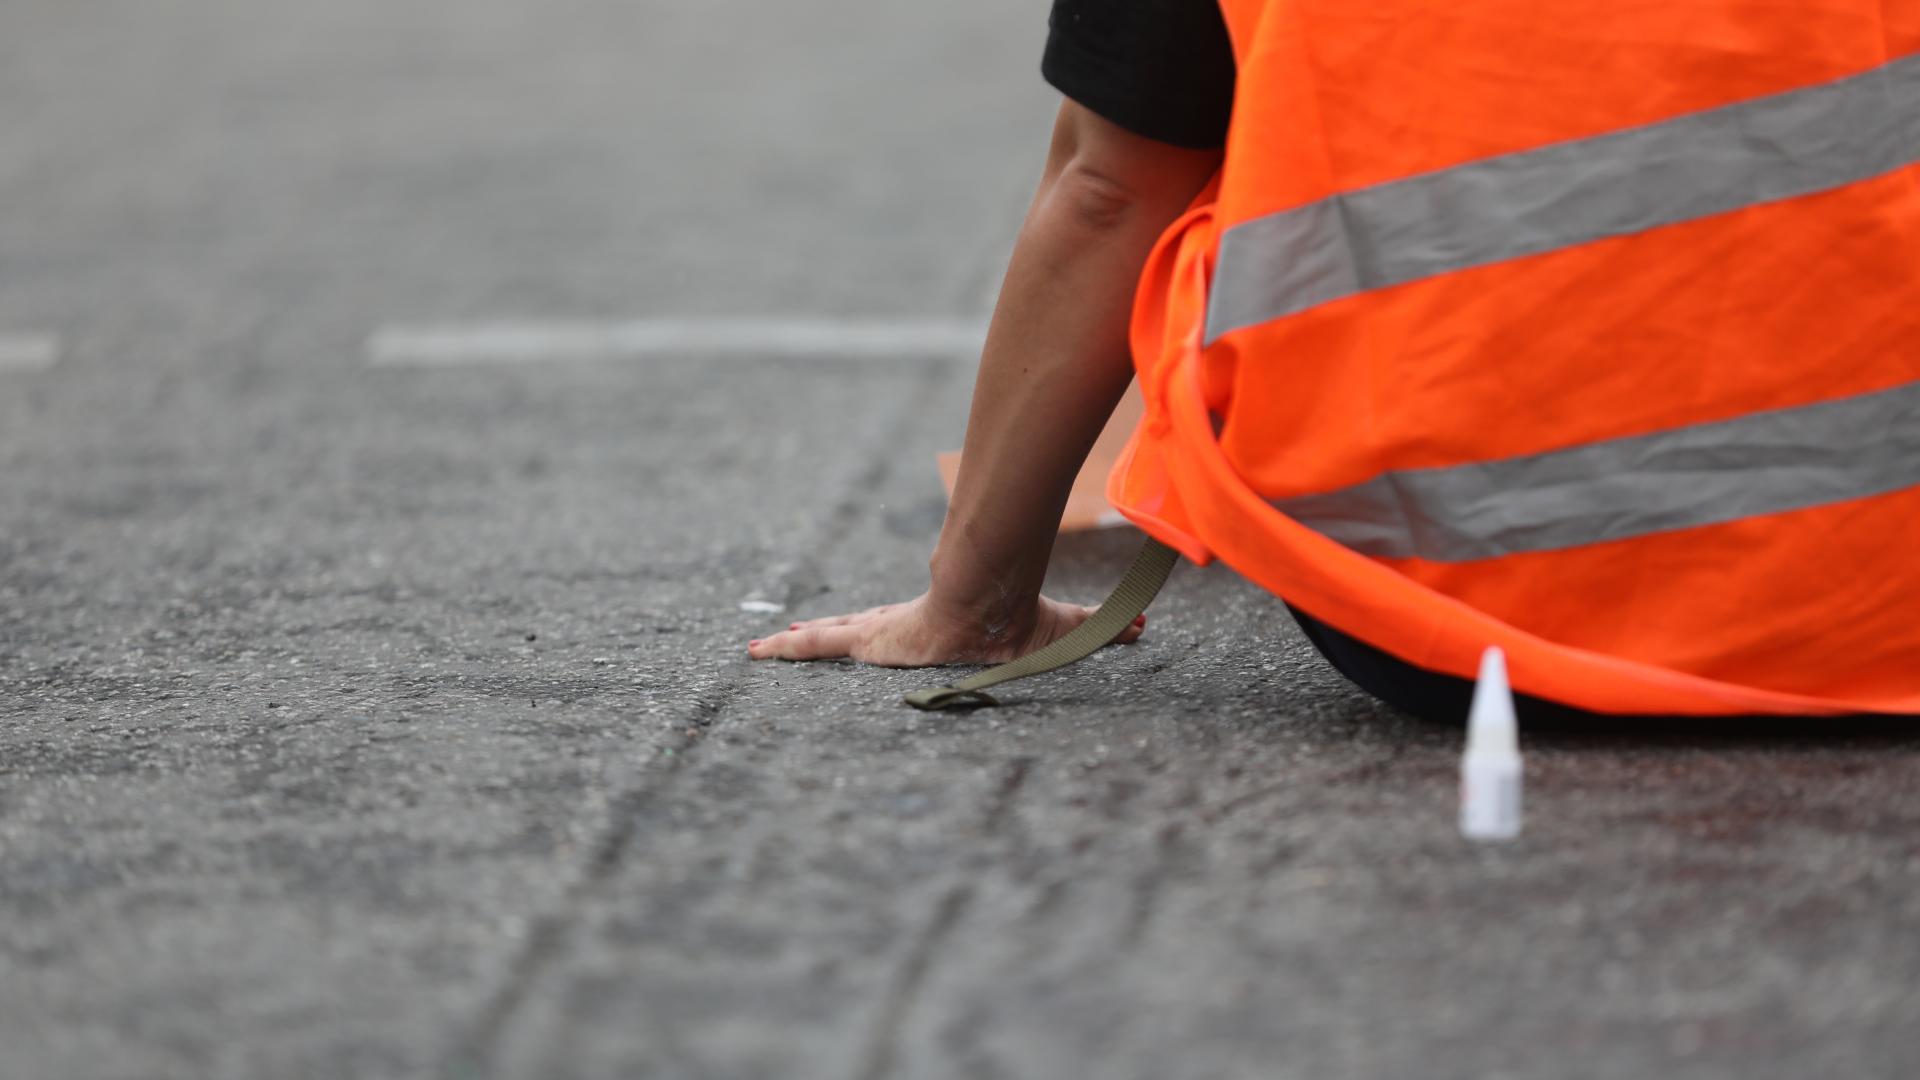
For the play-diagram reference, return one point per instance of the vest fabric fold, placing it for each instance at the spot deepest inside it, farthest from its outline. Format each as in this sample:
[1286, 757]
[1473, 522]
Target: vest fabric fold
[1586, 331]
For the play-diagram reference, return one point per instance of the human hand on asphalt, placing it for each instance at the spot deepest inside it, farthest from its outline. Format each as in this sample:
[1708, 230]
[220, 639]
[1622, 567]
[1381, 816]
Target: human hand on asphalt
[915, 634]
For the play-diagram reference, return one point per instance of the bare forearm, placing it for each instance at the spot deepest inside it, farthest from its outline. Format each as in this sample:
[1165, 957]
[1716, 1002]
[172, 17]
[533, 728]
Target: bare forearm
[1055, 363]
[1056, 357]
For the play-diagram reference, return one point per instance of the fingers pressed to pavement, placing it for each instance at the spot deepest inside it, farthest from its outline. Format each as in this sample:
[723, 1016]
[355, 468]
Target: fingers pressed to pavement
[809, 643]
[870, 636]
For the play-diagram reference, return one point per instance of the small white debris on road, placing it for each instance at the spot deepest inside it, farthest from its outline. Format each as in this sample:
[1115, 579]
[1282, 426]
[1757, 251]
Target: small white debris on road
[761, 607]
[28, 352]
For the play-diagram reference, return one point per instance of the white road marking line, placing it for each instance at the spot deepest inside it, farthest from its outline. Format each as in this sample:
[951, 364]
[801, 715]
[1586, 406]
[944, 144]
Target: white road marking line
[544, 342]
[28, 352]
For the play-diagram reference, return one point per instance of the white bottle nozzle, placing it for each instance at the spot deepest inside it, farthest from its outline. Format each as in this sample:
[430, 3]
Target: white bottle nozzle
[1492, 726]
[1490, 771]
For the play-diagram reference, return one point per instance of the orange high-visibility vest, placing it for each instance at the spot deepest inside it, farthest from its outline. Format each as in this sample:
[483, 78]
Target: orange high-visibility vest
[1591, 331]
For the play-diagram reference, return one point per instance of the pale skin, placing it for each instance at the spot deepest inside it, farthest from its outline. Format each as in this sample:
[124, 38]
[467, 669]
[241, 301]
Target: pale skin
[1054, 367]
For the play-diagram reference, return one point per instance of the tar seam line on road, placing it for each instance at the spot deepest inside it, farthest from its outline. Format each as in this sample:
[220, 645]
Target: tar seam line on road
[477, 1048]
[1144, 895]
[28, 352]
[539, 342]
[897, 1002]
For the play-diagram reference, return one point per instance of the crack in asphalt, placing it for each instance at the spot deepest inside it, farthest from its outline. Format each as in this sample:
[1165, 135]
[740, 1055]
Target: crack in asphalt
[883, 1045]
[477, 1050]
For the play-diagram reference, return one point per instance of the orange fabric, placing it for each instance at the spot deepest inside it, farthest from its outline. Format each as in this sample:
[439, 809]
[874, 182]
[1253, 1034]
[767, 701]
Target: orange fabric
[1786, 303]
[1338, 95]
[1812, 299]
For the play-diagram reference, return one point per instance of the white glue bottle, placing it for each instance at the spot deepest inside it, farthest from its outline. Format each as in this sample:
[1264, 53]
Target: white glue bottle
[1490, 771]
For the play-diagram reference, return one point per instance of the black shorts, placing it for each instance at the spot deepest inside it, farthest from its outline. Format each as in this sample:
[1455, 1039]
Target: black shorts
[1159, 68]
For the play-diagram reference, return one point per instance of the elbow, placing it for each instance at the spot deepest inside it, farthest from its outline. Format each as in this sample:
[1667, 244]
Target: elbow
[1102, 179]
[1093, 198]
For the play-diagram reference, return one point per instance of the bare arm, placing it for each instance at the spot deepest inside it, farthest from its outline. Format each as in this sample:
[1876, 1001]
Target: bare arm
[1054, 366]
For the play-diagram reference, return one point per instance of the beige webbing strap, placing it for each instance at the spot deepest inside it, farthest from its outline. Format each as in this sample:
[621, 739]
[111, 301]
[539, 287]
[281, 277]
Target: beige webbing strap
[1129, 598]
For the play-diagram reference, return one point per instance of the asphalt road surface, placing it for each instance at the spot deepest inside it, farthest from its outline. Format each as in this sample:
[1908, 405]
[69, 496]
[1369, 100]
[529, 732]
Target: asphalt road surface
[383, 710]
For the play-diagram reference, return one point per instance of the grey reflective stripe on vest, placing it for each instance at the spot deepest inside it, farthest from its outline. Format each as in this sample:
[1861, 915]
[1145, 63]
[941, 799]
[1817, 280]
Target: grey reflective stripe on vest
[1567, 194]
[1707, 474]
